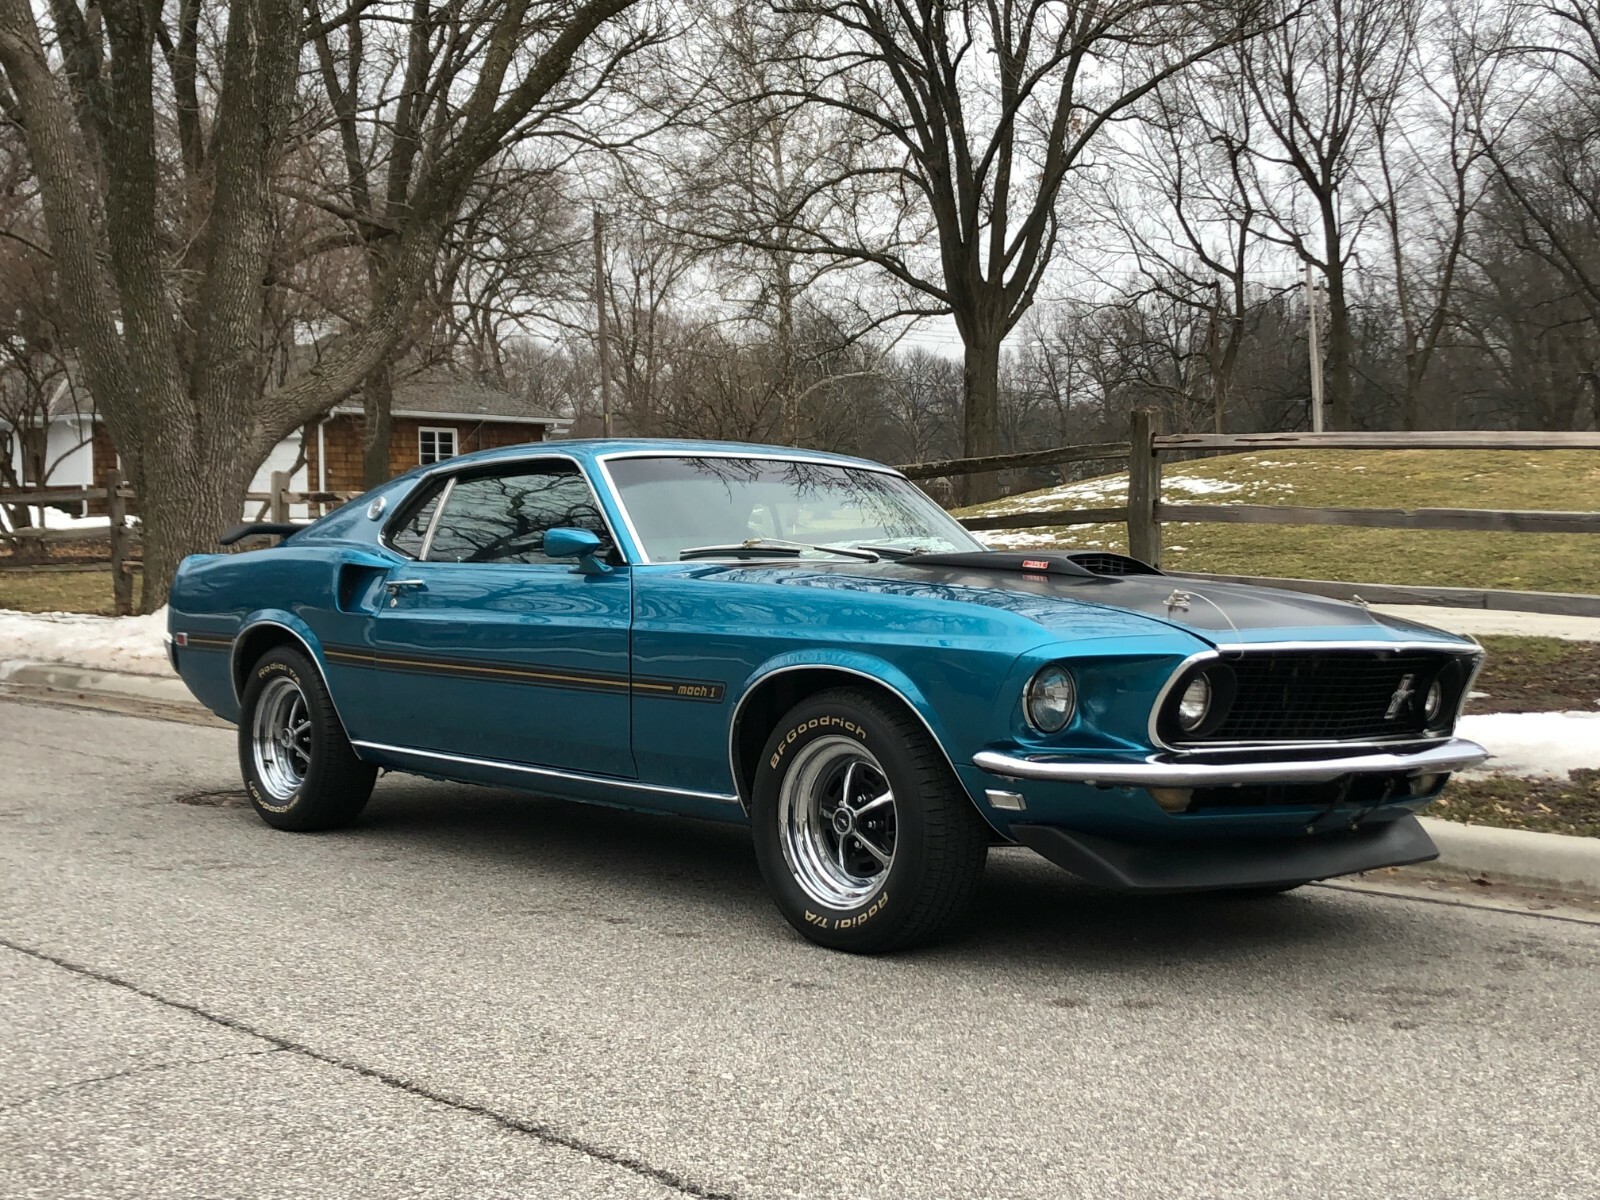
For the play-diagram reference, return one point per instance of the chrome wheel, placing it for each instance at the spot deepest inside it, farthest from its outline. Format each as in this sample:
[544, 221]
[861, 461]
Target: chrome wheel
[281, 738]
[837, 822]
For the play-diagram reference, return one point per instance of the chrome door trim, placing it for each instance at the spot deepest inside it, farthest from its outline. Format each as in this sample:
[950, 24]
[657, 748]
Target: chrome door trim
[433, 521]
[548, 772]
[453, 467]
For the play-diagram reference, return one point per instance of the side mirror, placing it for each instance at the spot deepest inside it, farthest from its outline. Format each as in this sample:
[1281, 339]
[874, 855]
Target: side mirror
[581, 544]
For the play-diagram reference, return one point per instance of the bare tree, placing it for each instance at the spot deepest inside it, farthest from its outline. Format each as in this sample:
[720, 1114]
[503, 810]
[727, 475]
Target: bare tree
[977, 114]
[1325, 81]
[1427, 182]
[1203, 243]
[36, 385]
[164, 251]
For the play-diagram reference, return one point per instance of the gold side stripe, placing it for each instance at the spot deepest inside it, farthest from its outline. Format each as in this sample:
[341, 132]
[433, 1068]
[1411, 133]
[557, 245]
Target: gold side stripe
[208, 642]
[687, 689]
[514, 672]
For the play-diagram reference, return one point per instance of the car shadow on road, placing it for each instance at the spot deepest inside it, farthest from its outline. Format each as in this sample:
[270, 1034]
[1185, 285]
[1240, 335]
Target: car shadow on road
[1027, 910]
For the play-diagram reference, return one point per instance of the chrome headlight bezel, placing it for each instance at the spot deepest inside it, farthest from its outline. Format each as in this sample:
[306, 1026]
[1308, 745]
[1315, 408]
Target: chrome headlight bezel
[1218, 681]
[1050, 701]
[1191, 722]
[1433, 702]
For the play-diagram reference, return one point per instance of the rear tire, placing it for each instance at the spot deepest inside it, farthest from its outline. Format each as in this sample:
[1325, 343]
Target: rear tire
[865, 839]
[298, 766]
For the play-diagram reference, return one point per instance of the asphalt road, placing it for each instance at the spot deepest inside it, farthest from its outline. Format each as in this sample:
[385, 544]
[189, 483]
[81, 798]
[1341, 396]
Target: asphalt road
[478, 994]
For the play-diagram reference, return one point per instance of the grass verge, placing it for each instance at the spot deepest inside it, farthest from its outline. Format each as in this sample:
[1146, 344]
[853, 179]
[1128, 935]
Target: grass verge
[1496, 479]
[25, 590]
[1570, 806]
[1534, 674]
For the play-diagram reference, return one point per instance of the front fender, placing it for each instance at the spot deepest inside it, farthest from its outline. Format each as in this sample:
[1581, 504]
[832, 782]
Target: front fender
[876, 670]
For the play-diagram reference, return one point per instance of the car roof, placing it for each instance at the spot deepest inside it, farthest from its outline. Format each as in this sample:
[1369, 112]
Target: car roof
[588, 450]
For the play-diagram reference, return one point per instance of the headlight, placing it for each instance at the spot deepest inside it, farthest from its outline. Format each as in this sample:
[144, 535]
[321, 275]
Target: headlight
[1051, 699]
[1433, 702]
[1194, 706]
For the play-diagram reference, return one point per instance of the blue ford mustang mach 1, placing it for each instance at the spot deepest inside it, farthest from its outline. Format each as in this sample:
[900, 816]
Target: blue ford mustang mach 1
[806, 644]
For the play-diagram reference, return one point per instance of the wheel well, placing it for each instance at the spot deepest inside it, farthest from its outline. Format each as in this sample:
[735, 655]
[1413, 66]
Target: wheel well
[255, 642]
[765, 703]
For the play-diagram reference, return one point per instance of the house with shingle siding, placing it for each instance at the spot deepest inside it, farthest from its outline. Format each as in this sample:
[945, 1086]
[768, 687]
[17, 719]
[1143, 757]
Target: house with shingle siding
[432, 418]
[435, 416]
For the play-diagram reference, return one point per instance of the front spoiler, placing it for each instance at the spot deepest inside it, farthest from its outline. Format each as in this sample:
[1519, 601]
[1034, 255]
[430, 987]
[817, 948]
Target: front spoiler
[1194, 866]
[1180, 772]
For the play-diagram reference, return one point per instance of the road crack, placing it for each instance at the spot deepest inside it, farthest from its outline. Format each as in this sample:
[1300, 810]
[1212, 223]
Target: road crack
[131, 1073]
[539, 1131]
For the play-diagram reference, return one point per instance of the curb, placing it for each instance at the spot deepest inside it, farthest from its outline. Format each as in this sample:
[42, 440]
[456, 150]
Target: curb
[167, 690]
[1553, 861]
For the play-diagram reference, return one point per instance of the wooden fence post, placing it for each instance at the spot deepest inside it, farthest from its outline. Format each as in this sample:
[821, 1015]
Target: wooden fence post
[121, 569]
[1144, 486]
[280, 496]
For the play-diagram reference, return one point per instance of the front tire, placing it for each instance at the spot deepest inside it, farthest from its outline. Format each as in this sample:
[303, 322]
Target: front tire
[865, 839]
[298, 766]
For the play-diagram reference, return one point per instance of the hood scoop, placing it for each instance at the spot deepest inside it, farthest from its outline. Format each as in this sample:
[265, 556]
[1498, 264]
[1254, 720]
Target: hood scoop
[1082, 564]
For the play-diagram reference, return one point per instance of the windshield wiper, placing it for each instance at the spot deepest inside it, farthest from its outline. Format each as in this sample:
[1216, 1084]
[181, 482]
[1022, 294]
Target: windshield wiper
[763, 547]
[888, 551]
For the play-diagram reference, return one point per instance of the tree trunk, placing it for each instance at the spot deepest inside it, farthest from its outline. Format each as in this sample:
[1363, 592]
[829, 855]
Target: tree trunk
[377, 402]
[187, 499]
[1341, 413]
[1409, 398]
[980, 381]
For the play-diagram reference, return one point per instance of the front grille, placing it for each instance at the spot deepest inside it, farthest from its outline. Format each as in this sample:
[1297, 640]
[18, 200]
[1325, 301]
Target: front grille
[1326, 695]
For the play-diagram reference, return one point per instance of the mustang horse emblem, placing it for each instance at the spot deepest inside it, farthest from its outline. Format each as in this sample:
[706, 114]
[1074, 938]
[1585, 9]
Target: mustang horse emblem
[1403, 693]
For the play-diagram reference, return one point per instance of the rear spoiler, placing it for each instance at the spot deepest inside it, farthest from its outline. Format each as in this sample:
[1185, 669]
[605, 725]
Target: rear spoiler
[260, 529]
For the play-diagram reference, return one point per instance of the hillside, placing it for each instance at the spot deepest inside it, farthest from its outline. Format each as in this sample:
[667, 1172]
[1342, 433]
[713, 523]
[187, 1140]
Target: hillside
[1560, 479]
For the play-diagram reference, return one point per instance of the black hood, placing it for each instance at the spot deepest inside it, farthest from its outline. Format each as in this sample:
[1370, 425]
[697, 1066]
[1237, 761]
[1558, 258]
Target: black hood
[1219, 613]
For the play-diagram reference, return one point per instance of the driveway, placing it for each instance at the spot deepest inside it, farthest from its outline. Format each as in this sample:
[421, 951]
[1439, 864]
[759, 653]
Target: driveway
[479, 994]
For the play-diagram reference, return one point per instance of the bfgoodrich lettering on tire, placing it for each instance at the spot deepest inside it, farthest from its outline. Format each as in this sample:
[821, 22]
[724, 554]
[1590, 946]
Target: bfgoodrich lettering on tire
[866, 841]
[297, 764]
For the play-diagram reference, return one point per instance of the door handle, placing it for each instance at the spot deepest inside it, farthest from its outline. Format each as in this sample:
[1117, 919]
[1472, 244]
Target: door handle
[395, 586]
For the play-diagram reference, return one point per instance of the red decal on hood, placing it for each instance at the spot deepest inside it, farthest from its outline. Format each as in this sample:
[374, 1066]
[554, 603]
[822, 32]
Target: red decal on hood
[1034, 564]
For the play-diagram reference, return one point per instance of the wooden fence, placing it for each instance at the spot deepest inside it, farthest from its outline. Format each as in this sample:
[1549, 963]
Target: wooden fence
[1145, 512]
[119, 534]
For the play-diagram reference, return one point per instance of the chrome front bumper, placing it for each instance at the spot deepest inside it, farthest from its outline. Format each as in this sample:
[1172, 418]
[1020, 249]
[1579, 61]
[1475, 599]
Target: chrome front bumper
[1170, 771]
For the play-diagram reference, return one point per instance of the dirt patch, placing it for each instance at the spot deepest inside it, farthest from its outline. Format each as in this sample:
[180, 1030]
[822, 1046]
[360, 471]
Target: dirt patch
[1569, 806]
[221, 798]
[1530, 674]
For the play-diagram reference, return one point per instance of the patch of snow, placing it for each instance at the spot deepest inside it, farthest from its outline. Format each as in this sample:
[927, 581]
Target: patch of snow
[1008, 539]
[1200, 487]
[1535, 745]
[54, 518]
[132, 644]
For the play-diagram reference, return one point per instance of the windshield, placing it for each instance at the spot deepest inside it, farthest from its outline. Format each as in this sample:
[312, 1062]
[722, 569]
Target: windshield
[678, 504]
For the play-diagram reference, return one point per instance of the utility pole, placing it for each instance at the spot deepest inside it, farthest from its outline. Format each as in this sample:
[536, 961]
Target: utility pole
[1314, 347]
[602, 332]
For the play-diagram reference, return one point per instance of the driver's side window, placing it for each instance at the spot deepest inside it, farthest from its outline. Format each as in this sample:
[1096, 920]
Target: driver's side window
[502, 518]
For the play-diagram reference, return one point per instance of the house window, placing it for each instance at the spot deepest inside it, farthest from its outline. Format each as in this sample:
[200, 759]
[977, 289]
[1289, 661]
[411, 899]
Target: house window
[434, 445]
